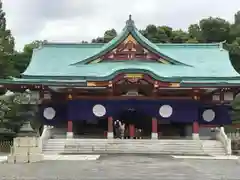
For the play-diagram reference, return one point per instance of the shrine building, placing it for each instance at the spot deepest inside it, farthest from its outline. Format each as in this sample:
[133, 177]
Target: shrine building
[166, 90]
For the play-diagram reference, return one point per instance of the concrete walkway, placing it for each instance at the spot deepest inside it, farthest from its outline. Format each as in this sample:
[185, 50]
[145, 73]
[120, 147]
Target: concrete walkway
[71, 157]
[56, 157]
[208, 157]
[120, 167]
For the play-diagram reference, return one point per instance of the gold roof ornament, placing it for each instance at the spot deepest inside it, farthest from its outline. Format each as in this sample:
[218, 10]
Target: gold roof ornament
[70, 97]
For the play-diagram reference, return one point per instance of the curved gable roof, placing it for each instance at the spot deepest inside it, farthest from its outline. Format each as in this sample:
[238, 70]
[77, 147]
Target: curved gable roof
[129, 30]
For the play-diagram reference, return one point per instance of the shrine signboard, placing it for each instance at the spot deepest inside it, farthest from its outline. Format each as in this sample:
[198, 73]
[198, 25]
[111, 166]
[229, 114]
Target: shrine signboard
[133, 77]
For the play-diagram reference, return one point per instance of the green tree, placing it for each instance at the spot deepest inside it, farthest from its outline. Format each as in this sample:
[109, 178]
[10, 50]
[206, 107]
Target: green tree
[195, 34]
[151, 33]
[168, 31]
[193, 40]
[235, 113]
[179, 36]
[22, 59]
[237, 18]
[15, 109]
[9, 119]
[162, 34]
[109, 35]
[6, 48]
[84, 42]
[28, 48]
[234, 52]
[234, 32]
[214, 29]
[98, 40]
[157, 34]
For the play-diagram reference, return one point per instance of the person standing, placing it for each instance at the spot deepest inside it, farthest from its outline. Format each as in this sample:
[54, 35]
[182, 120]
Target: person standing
[117, 128]
[122, 130]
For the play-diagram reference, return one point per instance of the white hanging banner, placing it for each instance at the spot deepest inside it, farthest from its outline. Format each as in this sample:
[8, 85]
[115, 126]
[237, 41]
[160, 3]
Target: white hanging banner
[99, 110]
[165, 111]
[208, 115]
[49, 113]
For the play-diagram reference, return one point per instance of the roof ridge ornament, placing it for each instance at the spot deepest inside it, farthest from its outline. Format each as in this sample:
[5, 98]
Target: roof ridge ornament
[130, 23]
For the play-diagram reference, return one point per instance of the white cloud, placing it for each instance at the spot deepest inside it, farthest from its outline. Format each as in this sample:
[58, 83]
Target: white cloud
[76, 20]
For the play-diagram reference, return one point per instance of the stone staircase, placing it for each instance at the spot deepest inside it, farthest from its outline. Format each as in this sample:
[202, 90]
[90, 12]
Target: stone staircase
[54, 146]
[128, 146]
[214, 148]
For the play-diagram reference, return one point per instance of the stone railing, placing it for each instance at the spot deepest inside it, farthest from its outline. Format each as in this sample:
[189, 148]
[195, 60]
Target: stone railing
[235, 138]
[5, 146]
[234, 135]
[223, 138]
[46, 135]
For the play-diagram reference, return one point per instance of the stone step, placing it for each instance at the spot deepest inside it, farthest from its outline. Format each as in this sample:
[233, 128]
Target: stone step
[55, 145]
[126, 140]
[159, 143]
[212, 148]
[193, 147]
[122, 147]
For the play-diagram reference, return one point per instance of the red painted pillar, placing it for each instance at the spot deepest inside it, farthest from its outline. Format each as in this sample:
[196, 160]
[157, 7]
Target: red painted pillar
[195, 130]
[154, 128]
[70, 129]
[69, 123]
[154, 125]
[131, 131]
[110, 128]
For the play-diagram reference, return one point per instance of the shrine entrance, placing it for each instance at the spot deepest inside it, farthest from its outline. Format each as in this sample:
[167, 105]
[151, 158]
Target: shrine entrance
[96, 128]
[141, 121]
[173, 130]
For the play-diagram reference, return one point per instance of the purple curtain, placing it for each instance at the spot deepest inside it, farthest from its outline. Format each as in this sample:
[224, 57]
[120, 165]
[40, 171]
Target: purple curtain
[184, 111]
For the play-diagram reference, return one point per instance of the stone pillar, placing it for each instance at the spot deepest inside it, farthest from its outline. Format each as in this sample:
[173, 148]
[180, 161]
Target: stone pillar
[131, 131]
[154, 129]
[195, 130]
[70, 130]
[110, 128]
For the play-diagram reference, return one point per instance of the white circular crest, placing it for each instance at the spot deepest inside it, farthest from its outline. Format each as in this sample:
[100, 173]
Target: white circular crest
[165, 111]
[49, 113]
[99, 110]
[208, 115]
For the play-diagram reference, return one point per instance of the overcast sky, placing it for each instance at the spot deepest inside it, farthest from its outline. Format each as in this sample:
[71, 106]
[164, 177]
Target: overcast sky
[77, 20]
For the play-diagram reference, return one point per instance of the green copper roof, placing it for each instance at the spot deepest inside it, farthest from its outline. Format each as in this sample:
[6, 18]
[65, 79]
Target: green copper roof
[48, 82]
[205, 61]
[188, 61]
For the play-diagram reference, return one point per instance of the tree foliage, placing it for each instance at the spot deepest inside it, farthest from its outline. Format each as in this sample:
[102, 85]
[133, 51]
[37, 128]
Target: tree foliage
[6, 48]
[22, 59]
[15, 109]
[214, 29]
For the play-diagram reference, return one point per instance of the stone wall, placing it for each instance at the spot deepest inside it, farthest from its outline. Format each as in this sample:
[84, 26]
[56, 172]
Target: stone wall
[25, 150]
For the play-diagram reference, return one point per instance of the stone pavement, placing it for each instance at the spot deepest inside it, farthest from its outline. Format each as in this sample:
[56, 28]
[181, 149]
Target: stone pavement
[57, 157]
[208, 157]
[125, 167]
[71, 157]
